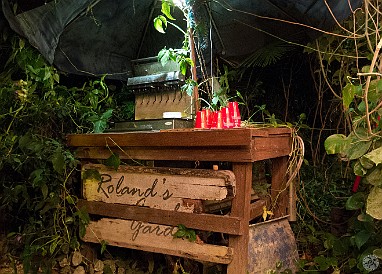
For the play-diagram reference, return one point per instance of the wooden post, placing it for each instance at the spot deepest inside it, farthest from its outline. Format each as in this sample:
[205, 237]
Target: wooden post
[241, 208]
[279, 192]
[193, 69]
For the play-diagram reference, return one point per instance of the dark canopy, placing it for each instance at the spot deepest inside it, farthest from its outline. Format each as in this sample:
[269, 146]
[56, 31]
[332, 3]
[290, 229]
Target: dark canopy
[97, 37]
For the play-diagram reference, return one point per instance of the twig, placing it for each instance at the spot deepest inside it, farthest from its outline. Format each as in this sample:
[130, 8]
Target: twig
[376, 53]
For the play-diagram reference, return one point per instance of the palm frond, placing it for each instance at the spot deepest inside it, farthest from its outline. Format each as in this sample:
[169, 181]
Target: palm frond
[267, 55]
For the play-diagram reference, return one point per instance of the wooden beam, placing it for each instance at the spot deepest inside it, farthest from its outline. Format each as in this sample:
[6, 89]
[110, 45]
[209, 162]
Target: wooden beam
[184, 138]
[154, 238]
[206, 222]
[240, 154]
[279, 191]
[241, 209]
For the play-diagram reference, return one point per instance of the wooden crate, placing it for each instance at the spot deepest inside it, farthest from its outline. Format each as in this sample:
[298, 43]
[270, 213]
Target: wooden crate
[175, 190]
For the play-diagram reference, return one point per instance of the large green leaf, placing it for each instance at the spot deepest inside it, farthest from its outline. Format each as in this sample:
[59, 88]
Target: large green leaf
[361, 238]
[166, 9]
[375, 156]
[335, 143]
[355, 201]
[375, 176]
[366, 163]
[160, 23]
[357, 144]
[374, 203]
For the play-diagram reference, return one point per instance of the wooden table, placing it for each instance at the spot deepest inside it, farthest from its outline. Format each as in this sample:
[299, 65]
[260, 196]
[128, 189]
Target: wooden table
[241, 147]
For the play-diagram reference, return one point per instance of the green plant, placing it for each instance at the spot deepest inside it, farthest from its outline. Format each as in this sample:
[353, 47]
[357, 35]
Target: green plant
[185, 233]
[37, 171]
[349, 62]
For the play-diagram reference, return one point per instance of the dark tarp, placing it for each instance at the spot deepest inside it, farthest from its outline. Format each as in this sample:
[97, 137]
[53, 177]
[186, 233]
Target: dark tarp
[103, 36]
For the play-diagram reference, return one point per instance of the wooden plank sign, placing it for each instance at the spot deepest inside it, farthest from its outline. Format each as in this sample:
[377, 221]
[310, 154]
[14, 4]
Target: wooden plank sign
[154, 238]
[163, 188]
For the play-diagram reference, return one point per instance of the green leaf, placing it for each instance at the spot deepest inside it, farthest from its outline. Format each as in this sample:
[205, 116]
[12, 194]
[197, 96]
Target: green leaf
[37, 176]
[70, 200]
[113, 161]
[375, 156]
[56, 77]
[361, 238]
[164, 56]
[322, 263]
[44, 190]
[21, 43]
[357, 144]
[166, 10]
[361, 106]
[53, 246]
[91, 174]
[365, 218]
[107, 114]
[99, 126]
[335, 143]
[103, 246]
[58, 161]
[375, 176]
[374, 203]
[69, 220]
[366, 163]
[359, 169]
[355, 201]
[183, 67]
[179, 233]
[352, 263]
[378, 252]
[348, 93]
[160, 23]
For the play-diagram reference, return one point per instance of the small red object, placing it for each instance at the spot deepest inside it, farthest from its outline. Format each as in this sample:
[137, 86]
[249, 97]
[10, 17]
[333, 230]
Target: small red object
[200, 121]
[227, 117]
[219, 119]
[235, 113]
[356, 183]
[209, 118]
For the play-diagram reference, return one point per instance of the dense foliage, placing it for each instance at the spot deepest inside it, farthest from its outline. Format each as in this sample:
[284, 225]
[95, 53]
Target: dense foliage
[37, 171]
[349, 65]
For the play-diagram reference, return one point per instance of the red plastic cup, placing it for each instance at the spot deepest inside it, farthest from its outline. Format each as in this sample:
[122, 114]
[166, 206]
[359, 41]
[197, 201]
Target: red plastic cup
[235, 112]
[200, 120]
[227, 119]
[209, 117]
[217, 120]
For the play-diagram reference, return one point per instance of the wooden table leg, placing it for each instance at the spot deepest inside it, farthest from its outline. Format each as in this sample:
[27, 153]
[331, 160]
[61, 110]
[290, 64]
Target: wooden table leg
[279, 192]
[241, 208]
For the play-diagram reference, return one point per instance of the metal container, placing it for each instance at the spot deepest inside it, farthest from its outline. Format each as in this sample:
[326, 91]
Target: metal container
[272, 247]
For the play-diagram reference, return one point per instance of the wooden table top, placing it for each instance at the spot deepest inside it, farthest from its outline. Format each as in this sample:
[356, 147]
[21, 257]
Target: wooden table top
[238, 145]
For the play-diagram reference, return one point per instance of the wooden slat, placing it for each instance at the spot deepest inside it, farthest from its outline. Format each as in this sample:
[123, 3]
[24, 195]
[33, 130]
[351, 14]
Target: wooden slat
[154, 238]
[240, 154]
[206, 222]
[279, 192]
[270, 131]
[232, 137]
[271, 147]
[162, 188]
